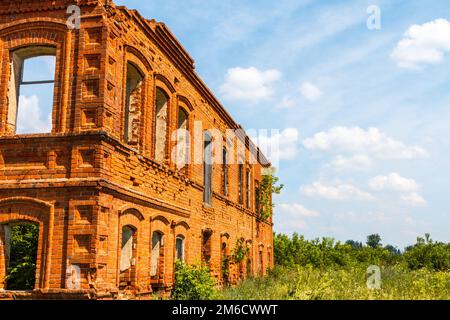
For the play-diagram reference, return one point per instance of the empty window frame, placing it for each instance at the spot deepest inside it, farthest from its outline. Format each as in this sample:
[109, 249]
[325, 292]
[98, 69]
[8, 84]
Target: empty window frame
[179, 245]
[182, 158]
[161, 116]
[157, 254]
[206, 246]
[31, 90]
[133, 104]
[241, 183]
[126, 257]
[207, 168]
[225, 171]
[248, 188]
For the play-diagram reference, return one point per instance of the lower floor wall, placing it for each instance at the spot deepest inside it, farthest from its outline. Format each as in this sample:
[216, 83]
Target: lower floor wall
[97, 243]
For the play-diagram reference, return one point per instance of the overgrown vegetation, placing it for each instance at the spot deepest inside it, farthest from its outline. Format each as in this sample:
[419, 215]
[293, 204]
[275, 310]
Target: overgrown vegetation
[267, 188]
[21, 273]
[193, 282]
[326, 269]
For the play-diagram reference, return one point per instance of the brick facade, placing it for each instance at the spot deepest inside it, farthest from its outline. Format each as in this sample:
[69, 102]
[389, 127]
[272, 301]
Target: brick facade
[97, 172]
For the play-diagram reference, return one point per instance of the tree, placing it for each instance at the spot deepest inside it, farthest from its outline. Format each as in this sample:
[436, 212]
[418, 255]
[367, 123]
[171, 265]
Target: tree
[354, 244]
[374, 240]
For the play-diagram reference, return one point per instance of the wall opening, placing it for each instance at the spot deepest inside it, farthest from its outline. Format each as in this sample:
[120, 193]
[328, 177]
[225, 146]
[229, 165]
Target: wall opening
[133, 104]
[128, 258]
[161, 116]
[248, 188]
[241, 184]
[206, 246]
[31, 90]
[225, 171]
[207, 168]
[21, 247]
[179, 245]
[157, 255]
[182, 158]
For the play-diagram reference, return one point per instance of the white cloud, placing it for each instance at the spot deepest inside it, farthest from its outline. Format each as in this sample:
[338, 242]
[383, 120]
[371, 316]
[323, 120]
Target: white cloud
[358, 161]
[287, 102]
[339, 192]
[310, 91]
[423, 44]
[408, 188]
[393, 182]
[30, 116]
[297, 210]
[355, 139]
[278, 145]
[249, 84]
[414, 199]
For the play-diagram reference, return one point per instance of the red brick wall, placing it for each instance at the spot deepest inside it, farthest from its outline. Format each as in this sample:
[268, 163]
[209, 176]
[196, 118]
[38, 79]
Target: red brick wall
[83, 183]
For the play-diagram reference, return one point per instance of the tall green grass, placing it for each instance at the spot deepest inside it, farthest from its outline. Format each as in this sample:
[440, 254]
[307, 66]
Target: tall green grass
[309, 283]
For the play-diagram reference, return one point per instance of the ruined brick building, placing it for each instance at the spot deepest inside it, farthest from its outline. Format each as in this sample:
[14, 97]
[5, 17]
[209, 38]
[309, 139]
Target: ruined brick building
[114, 208]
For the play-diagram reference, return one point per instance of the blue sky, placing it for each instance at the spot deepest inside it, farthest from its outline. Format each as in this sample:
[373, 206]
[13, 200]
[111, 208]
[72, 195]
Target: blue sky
[363, 114]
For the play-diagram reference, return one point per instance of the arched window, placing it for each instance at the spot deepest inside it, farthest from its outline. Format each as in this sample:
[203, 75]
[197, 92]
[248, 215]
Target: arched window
[207, 168]
[162, 106]
[179, 245]
[126, 257]
[157, 253]
[206, 246]
[31, 90]
[182, 158]
[133, 104]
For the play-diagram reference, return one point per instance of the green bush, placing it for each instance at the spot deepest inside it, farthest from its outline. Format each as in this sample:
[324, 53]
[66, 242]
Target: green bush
[22, 264]
[428, 254]
[193, 283]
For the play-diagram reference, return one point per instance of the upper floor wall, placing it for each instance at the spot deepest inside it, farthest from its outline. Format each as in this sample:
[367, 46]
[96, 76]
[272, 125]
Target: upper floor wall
[124, 75]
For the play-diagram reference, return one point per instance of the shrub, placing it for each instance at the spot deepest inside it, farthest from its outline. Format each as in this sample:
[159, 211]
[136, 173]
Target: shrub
[428, 254]
[193, 282]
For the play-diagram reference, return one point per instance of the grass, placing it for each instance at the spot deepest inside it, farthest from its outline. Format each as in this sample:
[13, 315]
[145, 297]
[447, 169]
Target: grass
[307, 283]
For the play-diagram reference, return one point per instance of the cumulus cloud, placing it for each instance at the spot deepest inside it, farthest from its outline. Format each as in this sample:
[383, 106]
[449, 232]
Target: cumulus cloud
[340, 192]
[277, 145]
[407, 188]
[414, 199]
[358, 161]
[357, 140]
[310, 92]
[423, 44]
[30, 116]
[393, 182]
[287, 102]
[297, 210]
[249, 85]
[293, 215]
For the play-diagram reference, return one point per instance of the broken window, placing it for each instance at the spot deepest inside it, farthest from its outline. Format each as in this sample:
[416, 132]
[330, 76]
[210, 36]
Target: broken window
[247, 187]
[162, 103]
[206, 246]
[133, 104]
[126, 258]
[21, 246]
[31, 90]
[157, 244]
[241, 184]
[182, 158]
[180, 248]
[225, 171]
[208, 168]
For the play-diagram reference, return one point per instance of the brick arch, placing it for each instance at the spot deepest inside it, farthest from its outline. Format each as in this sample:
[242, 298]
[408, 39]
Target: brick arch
[164, 83]
[17, 209]
[131, 210]
[133, 55]
[185, 102]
